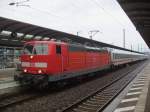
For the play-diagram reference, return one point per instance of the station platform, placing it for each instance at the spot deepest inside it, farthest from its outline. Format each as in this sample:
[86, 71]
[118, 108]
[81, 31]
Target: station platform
[6, 74]
[136, 96]
[7, 78]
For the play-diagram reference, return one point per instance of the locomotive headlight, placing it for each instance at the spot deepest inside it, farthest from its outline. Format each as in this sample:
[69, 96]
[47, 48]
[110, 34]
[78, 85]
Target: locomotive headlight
[39, 71]
[41, 65]
[25, 70]
[31, 56]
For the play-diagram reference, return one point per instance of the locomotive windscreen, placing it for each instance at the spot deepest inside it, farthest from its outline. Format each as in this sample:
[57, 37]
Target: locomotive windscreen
[40, 49]
[28, 49]
[36, 49]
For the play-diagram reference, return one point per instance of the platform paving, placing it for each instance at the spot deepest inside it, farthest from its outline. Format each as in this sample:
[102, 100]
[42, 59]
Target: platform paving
[7, 78]
[6, 75]
[137, 99]
[8, 72]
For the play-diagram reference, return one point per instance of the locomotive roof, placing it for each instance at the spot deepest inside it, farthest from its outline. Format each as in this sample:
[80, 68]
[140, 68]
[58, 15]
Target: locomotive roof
[88, 47]
[71, 44]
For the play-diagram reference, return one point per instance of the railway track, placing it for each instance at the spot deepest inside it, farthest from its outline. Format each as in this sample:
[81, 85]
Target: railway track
[17, 99]
[98, 100]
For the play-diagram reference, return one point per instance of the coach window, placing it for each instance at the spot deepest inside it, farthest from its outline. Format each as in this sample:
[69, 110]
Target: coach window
[58, 49]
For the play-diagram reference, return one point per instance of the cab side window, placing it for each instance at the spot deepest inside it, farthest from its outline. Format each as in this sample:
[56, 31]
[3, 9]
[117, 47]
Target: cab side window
[58, 49]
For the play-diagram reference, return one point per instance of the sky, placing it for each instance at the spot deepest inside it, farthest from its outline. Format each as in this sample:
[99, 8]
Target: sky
[80, 16]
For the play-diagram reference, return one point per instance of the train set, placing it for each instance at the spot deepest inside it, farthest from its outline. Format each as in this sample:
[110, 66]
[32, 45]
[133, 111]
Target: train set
[50, 61]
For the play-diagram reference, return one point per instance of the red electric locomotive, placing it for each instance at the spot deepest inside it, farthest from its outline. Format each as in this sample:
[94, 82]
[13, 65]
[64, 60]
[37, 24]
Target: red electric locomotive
[48, 61]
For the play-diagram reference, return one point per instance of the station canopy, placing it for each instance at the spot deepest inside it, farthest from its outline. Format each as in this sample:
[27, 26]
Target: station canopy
[14, 33]
[139, 13]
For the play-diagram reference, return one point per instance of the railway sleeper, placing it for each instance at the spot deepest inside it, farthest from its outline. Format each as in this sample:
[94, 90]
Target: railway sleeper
[87, 109]
[94, 99]
[100, 97]
[94, 102]
[91, 104]
[78, 110]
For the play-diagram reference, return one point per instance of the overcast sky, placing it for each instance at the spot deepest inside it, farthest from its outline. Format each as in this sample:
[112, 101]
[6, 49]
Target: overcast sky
[81, 16]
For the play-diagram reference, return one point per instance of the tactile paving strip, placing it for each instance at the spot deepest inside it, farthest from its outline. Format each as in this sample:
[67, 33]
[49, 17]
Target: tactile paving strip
[135, 99]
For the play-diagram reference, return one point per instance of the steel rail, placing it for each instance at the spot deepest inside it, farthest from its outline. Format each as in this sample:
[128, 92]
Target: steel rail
[76, 106]
[13, 100]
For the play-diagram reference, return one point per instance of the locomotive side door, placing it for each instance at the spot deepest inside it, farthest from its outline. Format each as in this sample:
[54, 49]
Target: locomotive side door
[64, 58]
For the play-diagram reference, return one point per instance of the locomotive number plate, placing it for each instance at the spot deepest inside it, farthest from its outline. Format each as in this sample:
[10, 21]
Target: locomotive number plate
[32, 64]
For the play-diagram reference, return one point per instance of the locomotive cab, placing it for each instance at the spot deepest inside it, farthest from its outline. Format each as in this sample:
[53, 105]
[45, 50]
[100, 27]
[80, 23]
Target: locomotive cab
[34, 63]
[42, 60]
[35, 58]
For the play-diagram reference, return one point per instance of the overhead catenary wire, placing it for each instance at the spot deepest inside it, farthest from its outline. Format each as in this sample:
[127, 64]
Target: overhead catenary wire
[50, 13]
[90, 25]
[21, 3]
[107, 12]
[75, 6]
